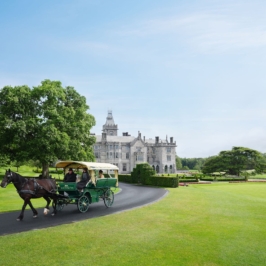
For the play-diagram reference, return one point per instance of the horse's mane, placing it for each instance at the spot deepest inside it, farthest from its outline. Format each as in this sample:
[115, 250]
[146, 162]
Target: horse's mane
[17, 175]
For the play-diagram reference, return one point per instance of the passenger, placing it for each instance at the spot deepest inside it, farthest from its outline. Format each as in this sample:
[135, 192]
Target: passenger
[85, 178]
[101, 174]
[70, 176]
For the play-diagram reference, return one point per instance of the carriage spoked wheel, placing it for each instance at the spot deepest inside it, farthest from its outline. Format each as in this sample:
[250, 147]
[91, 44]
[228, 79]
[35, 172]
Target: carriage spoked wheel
[108, 198]
[60, 205]
[83, 203]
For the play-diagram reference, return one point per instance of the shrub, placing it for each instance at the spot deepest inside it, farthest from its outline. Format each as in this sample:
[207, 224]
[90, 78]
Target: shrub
[142, 171]
[144, 174]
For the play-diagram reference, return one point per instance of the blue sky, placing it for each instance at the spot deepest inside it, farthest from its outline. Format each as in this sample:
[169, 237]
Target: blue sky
[192, 70]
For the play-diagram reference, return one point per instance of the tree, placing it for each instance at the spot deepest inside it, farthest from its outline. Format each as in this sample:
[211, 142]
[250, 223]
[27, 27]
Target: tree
[193, 163]
[17, 164]
[4, 161]
[45, 123]
[234, 161]
[36, 164]
[214, 164]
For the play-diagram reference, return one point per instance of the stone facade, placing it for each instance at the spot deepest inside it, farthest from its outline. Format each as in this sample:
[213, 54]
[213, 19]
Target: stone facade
[126, 151]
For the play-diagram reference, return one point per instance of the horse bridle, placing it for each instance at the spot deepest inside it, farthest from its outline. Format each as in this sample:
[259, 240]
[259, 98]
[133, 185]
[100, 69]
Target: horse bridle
[9, 177]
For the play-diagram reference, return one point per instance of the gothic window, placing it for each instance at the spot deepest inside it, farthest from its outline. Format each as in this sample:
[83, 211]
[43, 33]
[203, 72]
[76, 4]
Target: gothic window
[116, 155]
[166, 169]
[157, 168]
[168, 149]
[139, 157]
[127, 155]
[168, 158]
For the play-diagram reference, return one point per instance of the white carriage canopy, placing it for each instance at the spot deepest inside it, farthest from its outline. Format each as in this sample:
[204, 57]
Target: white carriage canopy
[93, 167]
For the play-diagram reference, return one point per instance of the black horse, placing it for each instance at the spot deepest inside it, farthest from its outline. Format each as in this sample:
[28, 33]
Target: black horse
[29, 188]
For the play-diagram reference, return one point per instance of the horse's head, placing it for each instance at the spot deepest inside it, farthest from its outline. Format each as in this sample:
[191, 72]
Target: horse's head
[8, 178]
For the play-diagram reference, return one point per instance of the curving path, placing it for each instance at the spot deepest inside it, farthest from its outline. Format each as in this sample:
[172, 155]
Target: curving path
[130, 197]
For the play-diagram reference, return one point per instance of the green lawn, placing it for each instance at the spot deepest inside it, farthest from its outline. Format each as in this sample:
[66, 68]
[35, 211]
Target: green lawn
[258, 176]
[217, 224]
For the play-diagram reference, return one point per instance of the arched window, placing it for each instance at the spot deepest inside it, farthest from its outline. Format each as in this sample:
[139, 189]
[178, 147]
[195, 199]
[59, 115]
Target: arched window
[171, 169]
[157, 169]
[166, 169]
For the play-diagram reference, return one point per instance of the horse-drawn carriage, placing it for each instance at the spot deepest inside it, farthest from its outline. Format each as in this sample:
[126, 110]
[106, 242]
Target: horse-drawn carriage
[95, 190]
[64, 193]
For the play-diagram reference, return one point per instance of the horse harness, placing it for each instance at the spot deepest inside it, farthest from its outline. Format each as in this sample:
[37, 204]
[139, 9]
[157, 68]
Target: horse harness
[36, 186]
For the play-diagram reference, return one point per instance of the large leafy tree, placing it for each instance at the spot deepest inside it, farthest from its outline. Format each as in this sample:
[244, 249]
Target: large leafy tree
[45, 123]
[236, 160]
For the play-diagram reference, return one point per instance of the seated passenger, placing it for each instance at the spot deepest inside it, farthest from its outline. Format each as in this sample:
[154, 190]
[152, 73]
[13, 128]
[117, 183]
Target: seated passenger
[101, 174]
[85, 178]
[70, 176]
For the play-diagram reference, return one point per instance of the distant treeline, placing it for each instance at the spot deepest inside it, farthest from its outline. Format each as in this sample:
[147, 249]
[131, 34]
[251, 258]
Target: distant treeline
[189, 163]
[246, 158]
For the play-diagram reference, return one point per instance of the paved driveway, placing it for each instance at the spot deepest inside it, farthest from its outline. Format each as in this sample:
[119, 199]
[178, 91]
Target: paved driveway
[130, 197]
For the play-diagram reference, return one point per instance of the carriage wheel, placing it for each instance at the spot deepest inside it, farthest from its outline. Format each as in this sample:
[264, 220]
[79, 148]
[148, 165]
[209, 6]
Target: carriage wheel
[83, 203]
[60, 205]
[108, 198]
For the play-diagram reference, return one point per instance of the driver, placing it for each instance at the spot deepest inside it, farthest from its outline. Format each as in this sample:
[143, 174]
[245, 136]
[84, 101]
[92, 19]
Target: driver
[70, 176]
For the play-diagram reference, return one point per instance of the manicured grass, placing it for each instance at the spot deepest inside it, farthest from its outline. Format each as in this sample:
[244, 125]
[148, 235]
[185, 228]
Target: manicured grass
[217, 224]
[258, 176]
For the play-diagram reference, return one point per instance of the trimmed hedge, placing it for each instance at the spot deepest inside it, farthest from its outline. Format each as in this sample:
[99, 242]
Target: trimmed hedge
[160, 181]
[125, 178]
[145, 175]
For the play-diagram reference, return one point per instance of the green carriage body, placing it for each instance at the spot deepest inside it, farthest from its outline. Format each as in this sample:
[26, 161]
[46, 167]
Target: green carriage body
[95, 190]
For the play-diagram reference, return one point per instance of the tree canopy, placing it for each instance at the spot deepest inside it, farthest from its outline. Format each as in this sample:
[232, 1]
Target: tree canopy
[192, 163]
[45, 123]
[234, 161]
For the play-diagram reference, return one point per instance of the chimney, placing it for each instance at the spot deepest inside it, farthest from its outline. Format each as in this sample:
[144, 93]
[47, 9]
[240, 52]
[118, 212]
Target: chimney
[171, 139]
[156, 140]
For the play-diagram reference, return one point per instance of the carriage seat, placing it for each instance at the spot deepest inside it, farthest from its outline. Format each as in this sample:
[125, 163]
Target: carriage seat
[106, 182]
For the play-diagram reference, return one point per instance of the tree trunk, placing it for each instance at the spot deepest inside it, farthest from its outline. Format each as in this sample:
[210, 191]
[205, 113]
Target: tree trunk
[45, 170]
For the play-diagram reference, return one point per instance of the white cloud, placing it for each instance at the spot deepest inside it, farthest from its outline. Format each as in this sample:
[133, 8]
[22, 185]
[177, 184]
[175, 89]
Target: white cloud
[209, 31]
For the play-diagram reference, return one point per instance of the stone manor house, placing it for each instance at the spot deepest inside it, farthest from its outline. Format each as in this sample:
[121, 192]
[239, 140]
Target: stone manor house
[126, 151]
